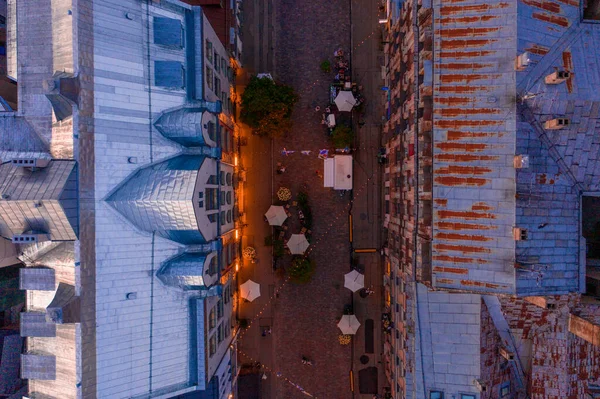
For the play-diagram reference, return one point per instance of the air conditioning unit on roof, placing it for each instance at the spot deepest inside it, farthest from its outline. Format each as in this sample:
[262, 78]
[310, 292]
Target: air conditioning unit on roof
[29, 238]
[30, 162]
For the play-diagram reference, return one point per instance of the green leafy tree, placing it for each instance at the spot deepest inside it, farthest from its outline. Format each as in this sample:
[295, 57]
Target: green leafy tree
[267, 106]
[302, 270]
[342, 136]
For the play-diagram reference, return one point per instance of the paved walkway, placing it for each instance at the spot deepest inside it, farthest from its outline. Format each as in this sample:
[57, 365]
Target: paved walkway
[304, 318]
[367, 207]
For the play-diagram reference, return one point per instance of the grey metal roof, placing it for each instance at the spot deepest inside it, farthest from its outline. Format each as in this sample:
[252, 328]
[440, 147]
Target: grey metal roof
[183, 125]
[9, 364]
[159, 199]
[42, 200]
[37, 278]
[38, 367]
[34, 324]
[48, 253]
[18, 139]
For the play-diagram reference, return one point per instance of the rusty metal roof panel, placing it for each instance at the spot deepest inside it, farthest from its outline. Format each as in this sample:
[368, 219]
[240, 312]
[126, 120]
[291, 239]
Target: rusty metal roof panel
[474, 139]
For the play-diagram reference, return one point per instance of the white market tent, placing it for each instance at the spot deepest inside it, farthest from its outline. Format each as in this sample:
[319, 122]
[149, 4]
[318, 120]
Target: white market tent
[338, 172]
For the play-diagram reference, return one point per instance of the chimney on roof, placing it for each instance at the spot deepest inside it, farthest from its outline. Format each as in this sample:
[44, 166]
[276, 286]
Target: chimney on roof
[506, 354]
[521, 161]
[480, 385]
[522, 61]
[520, 234]
[556, 123]
[557, 77]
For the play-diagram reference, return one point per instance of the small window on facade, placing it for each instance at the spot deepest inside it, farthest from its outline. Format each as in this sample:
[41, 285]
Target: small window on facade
[213, 217]
[436, 395]
[220, 333]
[212, 199]
[467, 396]
[223, 66]
[168, 32]
[229, 198]
[212, 318]
[216, 55]
[212, 132]
[212, 343]
[219, 309]
[201, 204]
[213, 266]
[228, 216]
[228, 178]
[217, 89]
[222, 217]
[209, 77]
[505, 390]
[169, 74]
[200, 194]
[223, 197]
[222, 178]
[209, 51]
[212, 179]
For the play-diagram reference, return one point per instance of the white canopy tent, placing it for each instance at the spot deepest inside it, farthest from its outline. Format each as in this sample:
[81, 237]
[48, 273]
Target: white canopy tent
[338, 172]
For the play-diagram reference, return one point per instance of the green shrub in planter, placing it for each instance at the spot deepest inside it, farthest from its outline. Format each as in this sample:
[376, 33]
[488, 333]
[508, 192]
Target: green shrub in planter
[302, 270]
[342, 136]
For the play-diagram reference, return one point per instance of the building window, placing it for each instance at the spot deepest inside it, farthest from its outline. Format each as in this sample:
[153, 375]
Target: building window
[228, 179]
[436, 395]
[226, 294]
[223, 66]
[220, 333]
[168, 32]
[212, 344]
[213, 217]
[212, 198]
[219, 309]
[209, 77]
[217, 89]
[222, 217]
[229, 216]
[591, 10]
[229, 198]
[213, 266]
[467, 396]
[169, 74]
[209, 51]
[212, 318]
[505, 390]
[212, 180]
[223, 197]
[212, 133]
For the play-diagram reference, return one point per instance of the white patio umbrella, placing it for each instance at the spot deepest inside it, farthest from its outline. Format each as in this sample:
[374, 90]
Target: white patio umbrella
[297, 244]
[349, 324]
[276, 215]
[250, 290]
[345, 101]
[354, 280]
